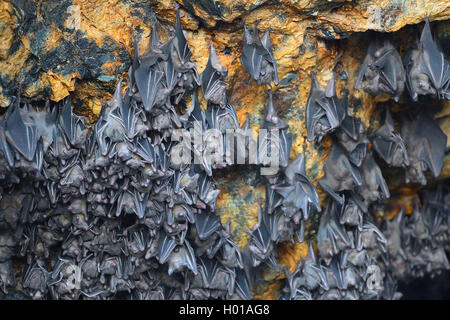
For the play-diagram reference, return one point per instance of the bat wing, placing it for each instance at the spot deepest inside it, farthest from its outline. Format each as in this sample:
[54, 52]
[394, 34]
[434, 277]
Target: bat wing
[243, 285]
[147, 81]
[166, 245]
[433, 62]
[144, 149]
[23, 137]
[190, 258]
[207, 224]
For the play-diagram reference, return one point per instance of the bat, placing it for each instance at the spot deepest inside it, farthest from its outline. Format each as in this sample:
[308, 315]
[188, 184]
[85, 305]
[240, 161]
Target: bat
[389, 145]
[260, 244]
[352, 137]
[182, 257]
[382, 70]
[282, 142]
[425, 144]
[20, 135]
[72, 124]
[324, 111]
[148, 81]
[298, 191]
[331, 235]
[340, 174]
[213, 79]
[374, 187]
[257, 57]
[428, 72]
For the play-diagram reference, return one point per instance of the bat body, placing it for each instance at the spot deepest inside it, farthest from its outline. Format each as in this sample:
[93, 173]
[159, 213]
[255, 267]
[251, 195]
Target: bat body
[382, 70]
[425, 143]
[428, 72]
[324, 111]
[257, 57]
[213, 80]
[389, 144]
[340, 174]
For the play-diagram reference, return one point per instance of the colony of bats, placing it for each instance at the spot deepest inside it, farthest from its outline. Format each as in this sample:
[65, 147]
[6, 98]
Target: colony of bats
[109, 201]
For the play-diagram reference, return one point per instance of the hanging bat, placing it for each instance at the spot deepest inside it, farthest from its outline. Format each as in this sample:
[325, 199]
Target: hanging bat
[20, 135]
[282, 142]
[382, 70]
[340, 174]
[428, 72]
[389, 145]
[426, 144]
[180, 52]
[260, 244]
[331, 236]
[374, 186]
[298, 191]
[352, 137]
[257, 57]
[127, 114]
[213, 79]
[324, 111]
[182, 257]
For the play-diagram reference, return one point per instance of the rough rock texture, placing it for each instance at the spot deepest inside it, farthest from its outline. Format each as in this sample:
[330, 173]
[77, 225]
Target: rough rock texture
[53, 48]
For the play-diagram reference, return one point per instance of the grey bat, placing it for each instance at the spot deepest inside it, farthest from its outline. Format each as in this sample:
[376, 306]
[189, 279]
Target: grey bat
[425, 143]
[261, 244]
[298, 191]
[374, 187]
[324, 111]
[213, 79]
[331, 236]
[389, 145]
[257, 57]
[20, 135]
[428, 72]
[72, 125]
[352, 137]
[283, 141]
[382, 70]
[340, 174]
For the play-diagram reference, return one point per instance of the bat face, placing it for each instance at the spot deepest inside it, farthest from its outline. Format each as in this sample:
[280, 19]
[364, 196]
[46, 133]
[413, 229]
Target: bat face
[257, 57]
[382, 70]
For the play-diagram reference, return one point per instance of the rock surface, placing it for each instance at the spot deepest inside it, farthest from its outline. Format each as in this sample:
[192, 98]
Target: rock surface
[55, 48]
